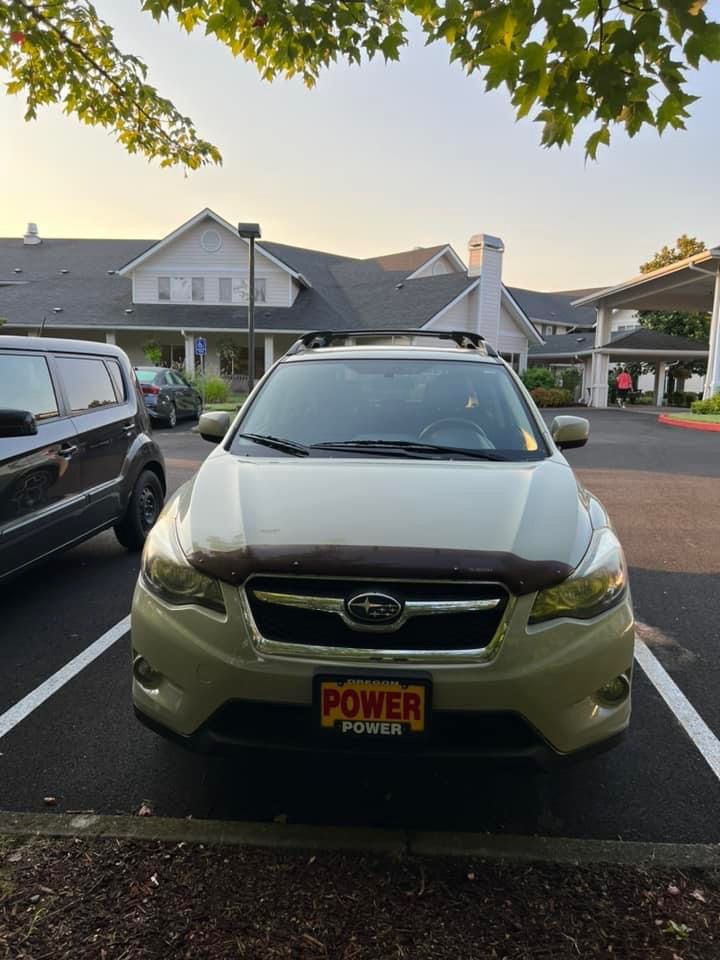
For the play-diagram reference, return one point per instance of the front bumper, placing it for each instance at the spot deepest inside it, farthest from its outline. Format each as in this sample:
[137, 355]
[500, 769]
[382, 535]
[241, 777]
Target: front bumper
[536, 698]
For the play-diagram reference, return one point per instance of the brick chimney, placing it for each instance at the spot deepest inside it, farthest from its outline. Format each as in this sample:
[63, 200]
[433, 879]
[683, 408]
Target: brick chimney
[31, 235]
[485, 256]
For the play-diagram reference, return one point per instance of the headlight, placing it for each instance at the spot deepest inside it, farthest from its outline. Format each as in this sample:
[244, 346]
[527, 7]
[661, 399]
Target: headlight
[168, 574]
[597, 584]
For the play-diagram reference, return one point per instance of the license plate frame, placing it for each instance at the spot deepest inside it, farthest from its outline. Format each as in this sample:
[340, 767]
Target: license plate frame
[380, 726]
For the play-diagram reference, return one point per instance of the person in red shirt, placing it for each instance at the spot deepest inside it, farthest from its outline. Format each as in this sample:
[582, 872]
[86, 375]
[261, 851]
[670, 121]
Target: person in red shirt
[623, 384]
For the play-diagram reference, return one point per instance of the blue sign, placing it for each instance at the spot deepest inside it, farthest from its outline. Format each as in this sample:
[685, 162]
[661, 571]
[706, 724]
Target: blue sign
[200, 346]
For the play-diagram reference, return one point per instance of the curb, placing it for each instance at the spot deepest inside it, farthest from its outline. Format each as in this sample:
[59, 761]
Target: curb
[489, 847]
[689, 424]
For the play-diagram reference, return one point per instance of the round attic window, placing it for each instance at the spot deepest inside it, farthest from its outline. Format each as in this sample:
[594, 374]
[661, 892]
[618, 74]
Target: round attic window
[211, 241]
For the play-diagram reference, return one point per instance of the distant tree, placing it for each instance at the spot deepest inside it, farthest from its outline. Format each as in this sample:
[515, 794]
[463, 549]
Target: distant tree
[693, 325]
[685, 247]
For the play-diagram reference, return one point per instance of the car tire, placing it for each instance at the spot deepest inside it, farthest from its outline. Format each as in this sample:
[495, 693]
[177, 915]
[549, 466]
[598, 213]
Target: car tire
[171, 419]
[142, 511]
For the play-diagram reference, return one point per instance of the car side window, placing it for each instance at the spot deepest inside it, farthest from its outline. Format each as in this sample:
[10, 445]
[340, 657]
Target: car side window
[25, 384]
[178, 381]
[168, 379]
[87, 383]
[117, 379]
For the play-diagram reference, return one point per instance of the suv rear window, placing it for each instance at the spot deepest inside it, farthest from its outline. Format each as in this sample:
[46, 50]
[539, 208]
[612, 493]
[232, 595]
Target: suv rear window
[87, 383]
[25, 384]
[467, 405]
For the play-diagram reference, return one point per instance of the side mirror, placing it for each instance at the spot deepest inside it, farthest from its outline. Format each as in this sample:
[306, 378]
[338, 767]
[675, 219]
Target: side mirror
[213, 426]
[568, 432]
[17, 423]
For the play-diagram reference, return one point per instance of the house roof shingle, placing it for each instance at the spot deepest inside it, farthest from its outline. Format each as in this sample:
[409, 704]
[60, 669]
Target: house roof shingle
[554, 307]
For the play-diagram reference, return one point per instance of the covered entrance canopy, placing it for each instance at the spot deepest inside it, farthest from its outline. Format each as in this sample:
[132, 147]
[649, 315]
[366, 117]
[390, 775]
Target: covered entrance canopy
[691, 285]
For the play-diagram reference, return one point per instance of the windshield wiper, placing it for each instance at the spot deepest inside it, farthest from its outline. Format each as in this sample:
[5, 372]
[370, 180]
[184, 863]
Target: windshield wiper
[407, 446]
[277, 443]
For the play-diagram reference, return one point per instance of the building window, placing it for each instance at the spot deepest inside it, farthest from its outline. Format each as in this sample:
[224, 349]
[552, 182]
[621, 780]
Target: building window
[163, 288]
[198, 288]
[225, 290]
[180, 288]
[240, 288]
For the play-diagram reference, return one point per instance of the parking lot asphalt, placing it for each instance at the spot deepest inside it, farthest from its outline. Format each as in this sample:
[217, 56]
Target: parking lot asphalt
[83, 746]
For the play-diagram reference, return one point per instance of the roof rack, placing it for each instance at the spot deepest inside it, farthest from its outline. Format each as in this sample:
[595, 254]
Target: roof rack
[324, 338]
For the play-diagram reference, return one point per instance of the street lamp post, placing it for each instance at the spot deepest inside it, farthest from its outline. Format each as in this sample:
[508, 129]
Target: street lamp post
[251, 232]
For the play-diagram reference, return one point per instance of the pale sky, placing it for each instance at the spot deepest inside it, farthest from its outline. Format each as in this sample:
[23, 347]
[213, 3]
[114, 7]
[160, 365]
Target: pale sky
[373, 160]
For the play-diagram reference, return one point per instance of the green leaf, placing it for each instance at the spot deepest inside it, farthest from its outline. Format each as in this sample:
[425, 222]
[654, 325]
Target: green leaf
[594, 140]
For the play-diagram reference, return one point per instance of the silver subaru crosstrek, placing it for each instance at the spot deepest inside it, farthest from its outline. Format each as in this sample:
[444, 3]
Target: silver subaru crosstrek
[386, 552]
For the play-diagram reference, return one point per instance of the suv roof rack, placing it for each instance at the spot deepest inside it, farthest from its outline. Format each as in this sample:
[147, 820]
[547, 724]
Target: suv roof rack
[323, 338]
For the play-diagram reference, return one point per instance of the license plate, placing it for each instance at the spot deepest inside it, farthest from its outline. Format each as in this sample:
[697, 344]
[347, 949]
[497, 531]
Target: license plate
[373, 707]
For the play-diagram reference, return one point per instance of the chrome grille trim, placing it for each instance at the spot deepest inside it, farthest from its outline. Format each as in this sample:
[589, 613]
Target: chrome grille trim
[307, 651]
[411, 608]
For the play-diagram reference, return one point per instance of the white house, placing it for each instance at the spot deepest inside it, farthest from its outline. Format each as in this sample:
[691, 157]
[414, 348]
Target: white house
[194, 282]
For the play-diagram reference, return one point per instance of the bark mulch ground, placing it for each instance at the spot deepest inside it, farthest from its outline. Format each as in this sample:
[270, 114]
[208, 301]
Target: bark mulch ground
[121, 900]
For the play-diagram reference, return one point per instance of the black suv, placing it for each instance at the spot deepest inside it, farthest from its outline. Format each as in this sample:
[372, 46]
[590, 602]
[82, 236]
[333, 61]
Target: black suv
[76, 455]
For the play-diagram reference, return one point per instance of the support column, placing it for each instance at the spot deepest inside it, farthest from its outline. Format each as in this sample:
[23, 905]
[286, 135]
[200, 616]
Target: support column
[190, 354]
[600, 362]
[269, 351]
[522, 365]
[599, 377]
[585, 390]
[712, 378]
[110, 337]
[659, 389]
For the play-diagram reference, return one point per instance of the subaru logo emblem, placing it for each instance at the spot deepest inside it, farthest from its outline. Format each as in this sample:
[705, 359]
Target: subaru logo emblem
[373, 608]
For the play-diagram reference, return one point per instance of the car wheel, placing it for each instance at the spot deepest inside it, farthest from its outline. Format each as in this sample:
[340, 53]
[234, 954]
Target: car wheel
[172, 417]
[142, 511]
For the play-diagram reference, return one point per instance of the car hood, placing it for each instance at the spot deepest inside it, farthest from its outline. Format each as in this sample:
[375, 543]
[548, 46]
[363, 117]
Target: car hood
[526, 524]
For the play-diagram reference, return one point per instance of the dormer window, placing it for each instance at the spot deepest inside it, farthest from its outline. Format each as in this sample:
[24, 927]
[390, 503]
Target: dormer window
[235, 290]
[181, 289]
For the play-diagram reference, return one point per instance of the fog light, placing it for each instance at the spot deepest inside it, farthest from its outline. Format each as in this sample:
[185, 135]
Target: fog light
[145, 675]
[614, 691]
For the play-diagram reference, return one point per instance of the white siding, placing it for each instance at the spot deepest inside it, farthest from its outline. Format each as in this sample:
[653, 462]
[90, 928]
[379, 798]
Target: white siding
[441, 266]
[624, 318]
[461, 316]
[185, 257]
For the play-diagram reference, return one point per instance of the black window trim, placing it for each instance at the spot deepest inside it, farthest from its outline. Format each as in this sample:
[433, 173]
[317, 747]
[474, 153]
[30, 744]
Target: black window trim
[121, 400]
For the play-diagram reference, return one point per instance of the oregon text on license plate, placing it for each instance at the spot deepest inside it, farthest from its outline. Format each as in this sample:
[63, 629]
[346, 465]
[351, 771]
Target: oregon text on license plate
[385, 708]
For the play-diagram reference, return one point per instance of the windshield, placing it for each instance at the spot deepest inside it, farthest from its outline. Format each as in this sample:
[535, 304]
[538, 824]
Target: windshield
[373, 403]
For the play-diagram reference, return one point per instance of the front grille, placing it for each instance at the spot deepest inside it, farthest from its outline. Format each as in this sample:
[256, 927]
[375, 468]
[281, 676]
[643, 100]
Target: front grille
[292, 726]
[440, 631]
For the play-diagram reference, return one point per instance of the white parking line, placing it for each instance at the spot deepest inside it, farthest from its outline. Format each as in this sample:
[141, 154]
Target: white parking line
[693, 724]
[23, 708]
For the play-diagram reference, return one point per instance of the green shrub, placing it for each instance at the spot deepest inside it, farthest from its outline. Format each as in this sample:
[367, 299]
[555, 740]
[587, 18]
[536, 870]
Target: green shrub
[682, 399]
[571, 379]
[553, 397]
[153, 352]
[213, 389]
[711, 405]
[538, 377]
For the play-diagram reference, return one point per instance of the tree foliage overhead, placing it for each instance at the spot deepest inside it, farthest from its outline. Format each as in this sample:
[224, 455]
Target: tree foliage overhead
[693, 325]
[607, 62]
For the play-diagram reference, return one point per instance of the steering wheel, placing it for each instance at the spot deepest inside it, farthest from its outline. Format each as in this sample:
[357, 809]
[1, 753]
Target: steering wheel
[478, 434]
